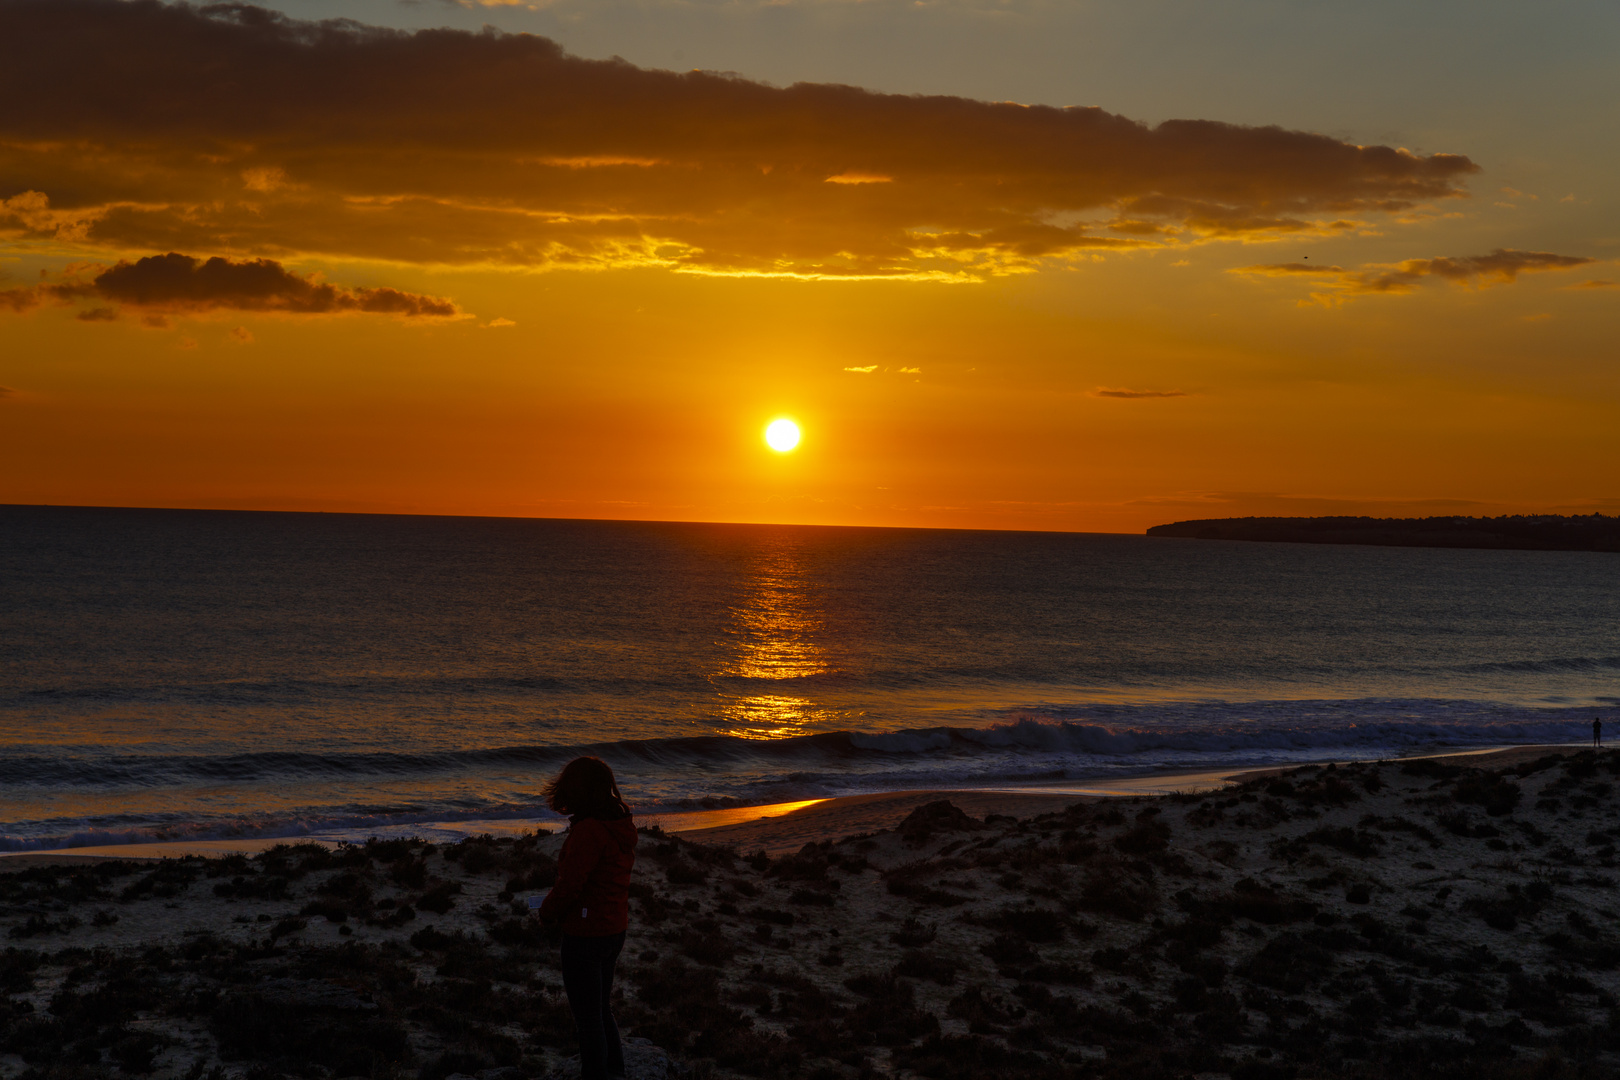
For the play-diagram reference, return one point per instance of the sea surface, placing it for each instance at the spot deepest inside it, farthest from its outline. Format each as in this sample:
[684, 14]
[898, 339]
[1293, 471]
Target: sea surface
[169, 674]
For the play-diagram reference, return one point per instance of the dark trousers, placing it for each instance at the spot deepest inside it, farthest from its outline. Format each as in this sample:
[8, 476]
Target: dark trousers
[587, 972]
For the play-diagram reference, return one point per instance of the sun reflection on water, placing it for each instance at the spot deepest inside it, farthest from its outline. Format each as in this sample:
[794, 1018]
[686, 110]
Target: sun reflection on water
[775, 634]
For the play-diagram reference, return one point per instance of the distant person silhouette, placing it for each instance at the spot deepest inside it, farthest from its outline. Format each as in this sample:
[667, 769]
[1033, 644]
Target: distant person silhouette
[592, 901]
[1597, 732]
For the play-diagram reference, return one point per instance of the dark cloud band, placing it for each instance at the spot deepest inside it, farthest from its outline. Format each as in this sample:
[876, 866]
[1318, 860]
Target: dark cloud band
[1502, 266]
[180, 284]
[228, 128]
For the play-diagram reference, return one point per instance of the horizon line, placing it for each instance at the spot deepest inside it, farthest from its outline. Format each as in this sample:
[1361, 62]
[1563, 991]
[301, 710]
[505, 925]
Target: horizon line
[539, 517]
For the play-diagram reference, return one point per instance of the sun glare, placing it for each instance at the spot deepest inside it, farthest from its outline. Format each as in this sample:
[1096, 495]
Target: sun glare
[782, 435]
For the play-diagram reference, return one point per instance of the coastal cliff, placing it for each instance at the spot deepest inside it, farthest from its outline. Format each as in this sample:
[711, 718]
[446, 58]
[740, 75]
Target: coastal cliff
[1544, 532]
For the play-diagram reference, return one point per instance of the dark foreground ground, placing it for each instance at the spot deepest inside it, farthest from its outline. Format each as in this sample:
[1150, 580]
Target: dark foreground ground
[1416, 920]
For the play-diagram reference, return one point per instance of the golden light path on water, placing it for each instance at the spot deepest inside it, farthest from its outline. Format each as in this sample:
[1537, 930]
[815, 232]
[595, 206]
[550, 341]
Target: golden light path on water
[774, 636]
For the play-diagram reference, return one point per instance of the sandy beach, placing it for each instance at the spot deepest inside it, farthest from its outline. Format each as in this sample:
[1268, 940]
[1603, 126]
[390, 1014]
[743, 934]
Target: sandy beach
[1425, 917]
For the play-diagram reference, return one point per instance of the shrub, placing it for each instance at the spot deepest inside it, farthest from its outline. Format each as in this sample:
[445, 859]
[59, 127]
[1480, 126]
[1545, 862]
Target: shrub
[1063, 974]
[519, 932]
[438, 898]
[974, 1006]
[1114, 889]
[1289, 963]
[327, 910]
[430, 939]
[1343, 838]
[709, 948]
[1147, 838]
[916, 964]
[1008, 950]
[809, 864]
[1497, 794]
[906, 882]
[1458, 824]
[973, 1057]
[941, 815]
[913, 933]
[308, 1029]
[136, 1051]
[409, 873]
[543, 876]
[890, 1016]
[1251, 900]
[258, 887]
[680, 872]
[17, 967]
[1041, 925]
[1431, 769]
[770, 915]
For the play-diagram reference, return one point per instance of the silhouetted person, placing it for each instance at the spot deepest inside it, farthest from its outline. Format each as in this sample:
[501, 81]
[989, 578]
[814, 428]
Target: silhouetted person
[592, 901]
[1597, 732]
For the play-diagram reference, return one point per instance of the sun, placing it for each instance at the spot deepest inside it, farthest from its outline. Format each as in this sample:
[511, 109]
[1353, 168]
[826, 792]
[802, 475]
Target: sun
[782, 435]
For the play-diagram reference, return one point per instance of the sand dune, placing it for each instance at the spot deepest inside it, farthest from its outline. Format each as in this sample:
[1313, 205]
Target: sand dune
[1419, 918]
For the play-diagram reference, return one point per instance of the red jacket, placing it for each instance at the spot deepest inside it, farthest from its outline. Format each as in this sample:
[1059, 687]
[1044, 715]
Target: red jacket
[592, 893]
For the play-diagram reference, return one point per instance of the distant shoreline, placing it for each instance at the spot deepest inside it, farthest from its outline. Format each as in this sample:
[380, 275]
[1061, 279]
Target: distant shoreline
[1545, 532]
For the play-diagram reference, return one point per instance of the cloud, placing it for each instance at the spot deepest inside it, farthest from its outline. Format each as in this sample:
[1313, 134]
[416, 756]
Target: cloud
[18, 299]
[176, 284]
[229, 129]
[1597, 283]
[1502, 266]
[1101, 392]
[181, 283]
[6, 391]
[264, 179]
[867, 370]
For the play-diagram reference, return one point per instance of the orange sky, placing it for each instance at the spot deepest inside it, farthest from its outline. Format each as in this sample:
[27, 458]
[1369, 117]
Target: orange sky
[261, 264]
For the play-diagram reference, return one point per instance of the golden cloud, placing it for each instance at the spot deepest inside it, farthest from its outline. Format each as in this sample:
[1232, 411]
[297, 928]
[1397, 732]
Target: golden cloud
[236, 130]
[1502, 266]
[175, 284]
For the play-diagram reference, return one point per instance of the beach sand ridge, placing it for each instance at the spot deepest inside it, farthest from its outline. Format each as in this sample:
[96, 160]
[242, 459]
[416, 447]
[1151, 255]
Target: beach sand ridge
[1429, 918]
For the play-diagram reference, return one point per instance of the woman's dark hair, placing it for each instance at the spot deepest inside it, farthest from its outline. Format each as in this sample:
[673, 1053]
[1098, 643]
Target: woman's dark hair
[586, 786]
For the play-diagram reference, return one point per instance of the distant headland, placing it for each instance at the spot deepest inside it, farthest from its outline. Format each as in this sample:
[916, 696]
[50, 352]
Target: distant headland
[1541, 532]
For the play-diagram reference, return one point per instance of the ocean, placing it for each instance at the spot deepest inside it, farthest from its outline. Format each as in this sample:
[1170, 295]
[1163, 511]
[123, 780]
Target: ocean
[179, 674]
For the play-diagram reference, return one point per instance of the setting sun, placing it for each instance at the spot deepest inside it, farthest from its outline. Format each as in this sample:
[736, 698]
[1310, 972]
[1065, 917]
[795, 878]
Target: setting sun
[782, 435]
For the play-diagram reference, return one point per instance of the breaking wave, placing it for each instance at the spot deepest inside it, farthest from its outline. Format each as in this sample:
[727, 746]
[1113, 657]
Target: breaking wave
[1048, 744]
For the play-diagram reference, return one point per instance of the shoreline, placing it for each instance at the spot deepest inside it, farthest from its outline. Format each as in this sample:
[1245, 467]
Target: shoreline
[780, 827]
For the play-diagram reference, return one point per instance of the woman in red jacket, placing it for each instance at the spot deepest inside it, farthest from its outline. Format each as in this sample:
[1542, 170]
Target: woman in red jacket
[592, 901]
